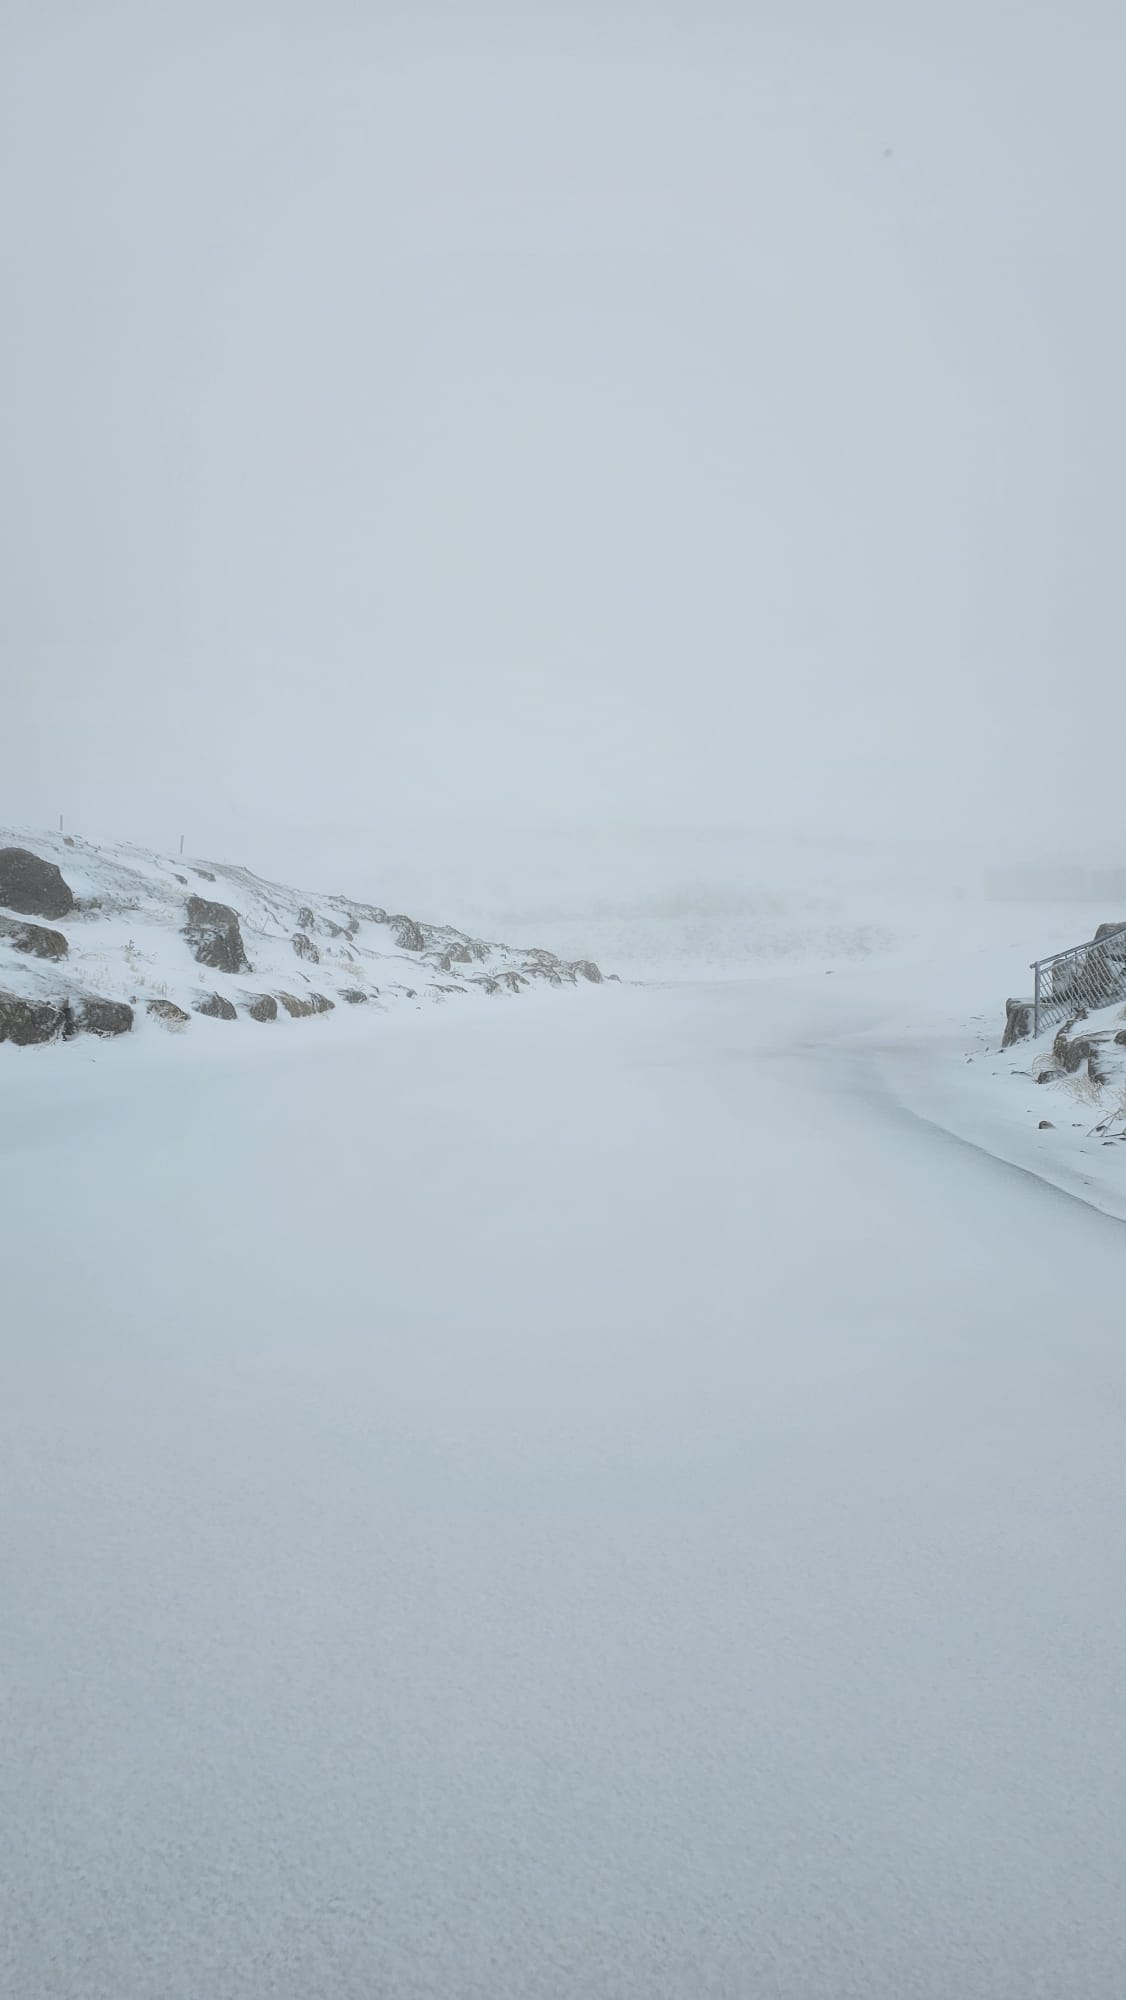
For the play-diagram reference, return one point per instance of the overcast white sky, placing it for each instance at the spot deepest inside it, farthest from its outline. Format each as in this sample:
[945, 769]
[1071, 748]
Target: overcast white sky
[560, 415]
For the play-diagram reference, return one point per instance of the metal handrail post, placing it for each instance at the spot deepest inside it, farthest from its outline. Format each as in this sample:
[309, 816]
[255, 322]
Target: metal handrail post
[1036, 1002]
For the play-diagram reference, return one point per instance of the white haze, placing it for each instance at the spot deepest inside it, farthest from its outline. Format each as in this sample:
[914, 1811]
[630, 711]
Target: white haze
[597, 1493]
[559, 417]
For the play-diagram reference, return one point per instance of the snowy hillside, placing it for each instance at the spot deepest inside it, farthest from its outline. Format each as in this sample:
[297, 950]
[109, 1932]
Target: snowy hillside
[102, 938]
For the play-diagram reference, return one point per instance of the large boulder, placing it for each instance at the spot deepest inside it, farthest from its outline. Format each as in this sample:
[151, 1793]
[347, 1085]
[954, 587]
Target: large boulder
[1018, 1022]
[32, 886]
[212, 931]
[587, 969]
[95, 1016]
[408, 935]
[300, 1008]
[33, 938]
[305, 948]
[27, 1021]
[217, 1006]
[263, 1008]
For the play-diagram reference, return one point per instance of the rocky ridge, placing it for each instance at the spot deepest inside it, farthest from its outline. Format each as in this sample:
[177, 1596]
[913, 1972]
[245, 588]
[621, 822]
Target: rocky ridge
[136, 938]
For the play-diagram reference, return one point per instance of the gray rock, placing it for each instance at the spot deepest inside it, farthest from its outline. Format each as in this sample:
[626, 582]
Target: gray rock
[95, 1016]
[587, 969]
[216, 1007]
[263, 1007]
[32, 886]
[1018, 1022]
[212, 931]
[168, 1012]
[34, 938]
[1108, 930]
[408, 934]
[309, 1003]
[27, 1021]
[356, 997]
[305, 948]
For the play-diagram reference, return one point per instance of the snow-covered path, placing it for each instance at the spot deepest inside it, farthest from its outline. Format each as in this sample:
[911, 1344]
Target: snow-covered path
[584, 1500]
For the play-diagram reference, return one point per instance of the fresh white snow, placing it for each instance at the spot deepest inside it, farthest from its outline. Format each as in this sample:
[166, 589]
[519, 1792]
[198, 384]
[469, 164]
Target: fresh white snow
[593, 1497]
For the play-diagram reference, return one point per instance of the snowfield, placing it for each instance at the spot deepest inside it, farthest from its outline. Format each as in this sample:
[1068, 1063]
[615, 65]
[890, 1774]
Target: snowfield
[596, 1497]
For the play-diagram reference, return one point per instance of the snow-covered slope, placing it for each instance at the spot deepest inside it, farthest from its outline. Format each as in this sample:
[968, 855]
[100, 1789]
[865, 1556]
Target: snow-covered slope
[170, 940]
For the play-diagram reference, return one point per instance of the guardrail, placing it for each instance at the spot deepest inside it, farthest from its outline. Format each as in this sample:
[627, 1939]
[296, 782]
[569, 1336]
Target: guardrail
[1087, 975]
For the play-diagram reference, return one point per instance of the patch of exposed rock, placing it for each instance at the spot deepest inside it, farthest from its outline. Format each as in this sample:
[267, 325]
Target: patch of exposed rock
[32, 886]
[263, 1007]
[212, 931]
[408, 934]
[167, 1012]
[95, 1016]
[305, 948]
[33, 938]
[25, 1022]
[309, 1003]
[216, 1006]
[1018, 1022]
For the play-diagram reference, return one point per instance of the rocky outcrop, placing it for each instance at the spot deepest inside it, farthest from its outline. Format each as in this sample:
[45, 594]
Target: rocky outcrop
[212, 931]
[167, 1012]
[33, 887]
[263, 1007]
[305, 948]
[33, 938]
[408, 934]
[355, 996]
[1111, 930]
[25, 1022]
[1018, 1022]
[587, 969]
[95, 1016]
[216, 1006]
[308, 1003]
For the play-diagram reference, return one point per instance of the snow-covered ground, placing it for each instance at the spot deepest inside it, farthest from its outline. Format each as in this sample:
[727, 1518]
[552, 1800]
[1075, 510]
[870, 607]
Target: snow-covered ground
[593, 1497]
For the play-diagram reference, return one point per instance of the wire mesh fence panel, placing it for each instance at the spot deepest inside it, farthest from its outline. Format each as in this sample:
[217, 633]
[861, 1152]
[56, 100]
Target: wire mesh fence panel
[1086, 976]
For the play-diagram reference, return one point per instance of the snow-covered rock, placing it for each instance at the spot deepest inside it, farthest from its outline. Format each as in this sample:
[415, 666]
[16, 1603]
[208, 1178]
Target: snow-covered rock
[146, 938]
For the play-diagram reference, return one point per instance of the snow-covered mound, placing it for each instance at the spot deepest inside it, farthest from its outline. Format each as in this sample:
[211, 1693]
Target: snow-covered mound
[1079, 1070]
[99, 938]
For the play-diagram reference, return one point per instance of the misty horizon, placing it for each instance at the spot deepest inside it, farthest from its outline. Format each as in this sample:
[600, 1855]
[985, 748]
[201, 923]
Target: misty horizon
[551, 422]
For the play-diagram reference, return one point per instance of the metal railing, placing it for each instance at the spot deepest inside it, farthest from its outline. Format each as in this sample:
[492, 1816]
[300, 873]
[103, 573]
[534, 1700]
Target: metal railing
[1088, 975]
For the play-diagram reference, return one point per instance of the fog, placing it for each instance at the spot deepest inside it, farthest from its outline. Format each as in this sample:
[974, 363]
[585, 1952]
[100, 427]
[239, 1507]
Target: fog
[522, 1483]
[559, 417]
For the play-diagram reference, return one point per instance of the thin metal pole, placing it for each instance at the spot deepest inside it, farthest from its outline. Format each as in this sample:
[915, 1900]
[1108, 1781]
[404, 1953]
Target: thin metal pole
[181, 843]
[1036, 1003]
